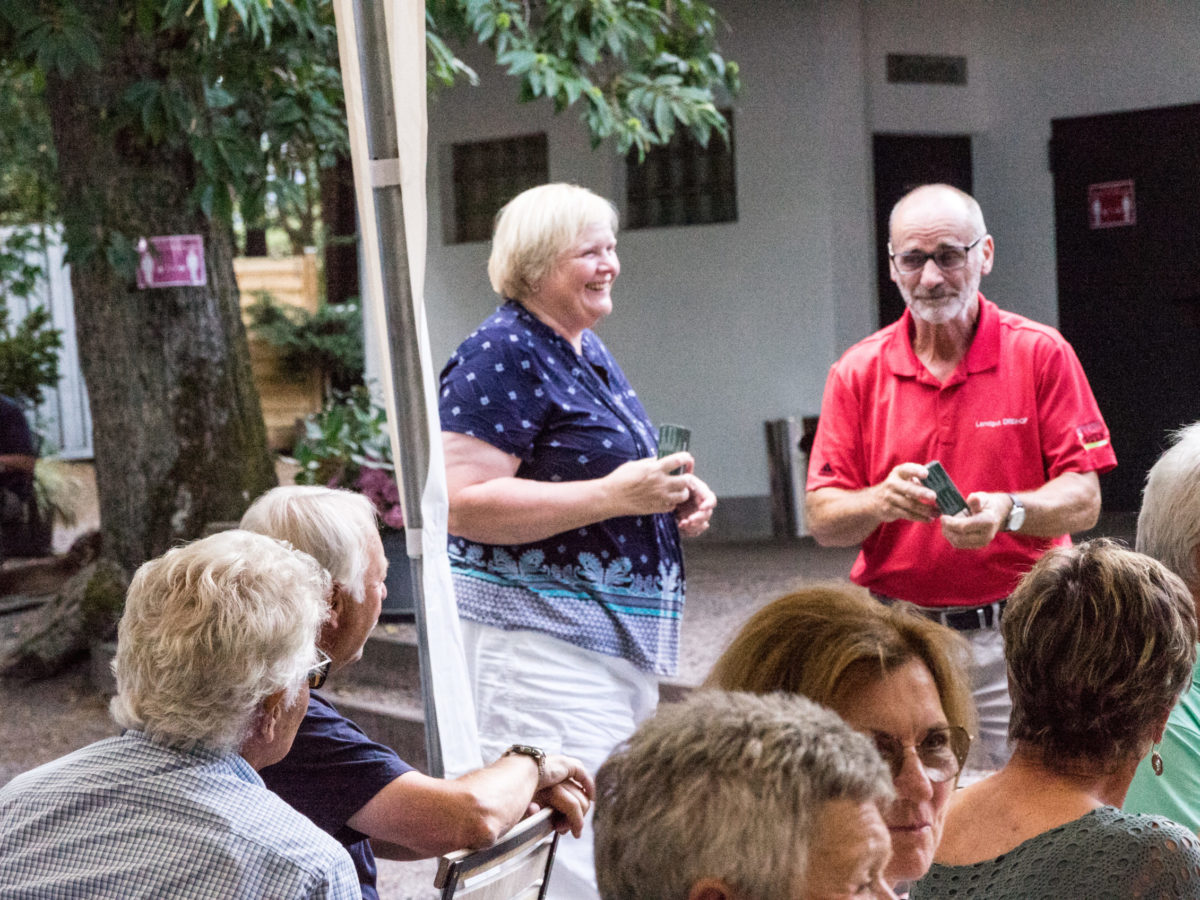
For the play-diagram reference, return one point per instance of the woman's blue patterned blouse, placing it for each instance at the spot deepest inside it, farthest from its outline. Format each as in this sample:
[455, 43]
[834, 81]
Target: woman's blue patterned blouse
[615, 587]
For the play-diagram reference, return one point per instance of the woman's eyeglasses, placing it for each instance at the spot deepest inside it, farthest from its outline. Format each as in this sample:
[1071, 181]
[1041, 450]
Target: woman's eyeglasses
[318, 673]
[942, 752]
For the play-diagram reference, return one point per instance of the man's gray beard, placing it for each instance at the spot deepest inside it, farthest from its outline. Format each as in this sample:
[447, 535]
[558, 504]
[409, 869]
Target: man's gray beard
[936, 315]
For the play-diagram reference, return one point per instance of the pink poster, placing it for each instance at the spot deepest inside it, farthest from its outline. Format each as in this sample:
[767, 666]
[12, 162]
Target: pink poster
[175, 260]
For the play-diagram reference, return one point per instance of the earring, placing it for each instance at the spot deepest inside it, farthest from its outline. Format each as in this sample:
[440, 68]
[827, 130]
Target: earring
[1156, 762]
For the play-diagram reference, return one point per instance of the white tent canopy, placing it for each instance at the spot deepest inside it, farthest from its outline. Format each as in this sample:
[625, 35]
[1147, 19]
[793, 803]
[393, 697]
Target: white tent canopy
[382, 50]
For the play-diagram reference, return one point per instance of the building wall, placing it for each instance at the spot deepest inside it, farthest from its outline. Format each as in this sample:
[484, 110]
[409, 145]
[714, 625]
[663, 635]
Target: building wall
[1028, 63]
[721, 327]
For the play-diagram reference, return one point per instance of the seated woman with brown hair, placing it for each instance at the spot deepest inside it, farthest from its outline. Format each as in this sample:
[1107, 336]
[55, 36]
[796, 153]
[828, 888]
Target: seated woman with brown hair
[890, 673]
[1100, 643]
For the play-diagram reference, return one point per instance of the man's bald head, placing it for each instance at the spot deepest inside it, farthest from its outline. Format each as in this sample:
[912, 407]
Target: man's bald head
[937, 198]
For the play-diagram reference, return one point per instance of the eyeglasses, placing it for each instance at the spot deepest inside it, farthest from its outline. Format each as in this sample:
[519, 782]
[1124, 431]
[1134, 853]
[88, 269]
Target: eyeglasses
[948, 258]
[942, 752]
[318, 673]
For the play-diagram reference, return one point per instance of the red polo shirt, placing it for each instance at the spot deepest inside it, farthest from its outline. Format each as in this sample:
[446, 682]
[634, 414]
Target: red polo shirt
[1016, 413]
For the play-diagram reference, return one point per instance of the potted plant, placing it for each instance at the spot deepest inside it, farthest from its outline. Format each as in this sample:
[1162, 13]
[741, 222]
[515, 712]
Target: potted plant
[346, 445]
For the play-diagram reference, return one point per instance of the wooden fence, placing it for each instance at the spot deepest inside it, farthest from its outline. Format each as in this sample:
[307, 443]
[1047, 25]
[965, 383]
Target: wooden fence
[286, 397]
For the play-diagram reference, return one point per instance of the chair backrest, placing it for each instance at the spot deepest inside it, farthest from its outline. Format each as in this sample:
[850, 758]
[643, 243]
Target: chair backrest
[516, 867]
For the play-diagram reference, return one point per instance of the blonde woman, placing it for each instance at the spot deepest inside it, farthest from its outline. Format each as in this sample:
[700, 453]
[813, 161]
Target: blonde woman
[564, 526]
[891, 673]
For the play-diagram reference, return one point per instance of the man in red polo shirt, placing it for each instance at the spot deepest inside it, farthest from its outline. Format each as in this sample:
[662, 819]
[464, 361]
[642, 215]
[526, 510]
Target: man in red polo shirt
[999, 400]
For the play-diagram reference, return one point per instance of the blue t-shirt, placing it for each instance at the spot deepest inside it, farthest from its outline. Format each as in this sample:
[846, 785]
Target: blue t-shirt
[614, 587]
[331, 772]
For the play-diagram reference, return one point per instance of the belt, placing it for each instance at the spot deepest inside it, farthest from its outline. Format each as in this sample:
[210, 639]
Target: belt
[970, 618]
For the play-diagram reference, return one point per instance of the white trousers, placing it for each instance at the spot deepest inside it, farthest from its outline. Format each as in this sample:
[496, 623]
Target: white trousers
[530, 688]
[989, 686]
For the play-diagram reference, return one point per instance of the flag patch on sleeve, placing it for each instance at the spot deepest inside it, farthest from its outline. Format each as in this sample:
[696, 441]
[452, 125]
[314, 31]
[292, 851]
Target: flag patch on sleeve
[1092, 435]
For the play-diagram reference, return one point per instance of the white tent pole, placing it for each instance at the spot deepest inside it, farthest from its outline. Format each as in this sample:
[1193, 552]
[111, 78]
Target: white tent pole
[389, 177]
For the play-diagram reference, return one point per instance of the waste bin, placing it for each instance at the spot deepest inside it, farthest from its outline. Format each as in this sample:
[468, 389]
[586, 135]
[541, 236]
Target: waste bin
[787, 466]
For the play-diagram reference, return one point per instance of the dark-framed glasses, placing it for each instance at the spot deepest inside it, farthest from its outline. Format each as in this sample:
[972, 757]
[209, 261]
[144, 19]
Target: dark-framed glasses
[948, 258]
[941, 752]
[318, 673]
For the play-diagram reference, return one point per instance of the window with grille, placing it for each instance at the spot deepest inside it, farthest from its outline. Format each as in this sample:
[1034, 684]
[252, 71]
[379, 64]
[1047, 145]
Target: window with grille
[682, 182]
[487, 174]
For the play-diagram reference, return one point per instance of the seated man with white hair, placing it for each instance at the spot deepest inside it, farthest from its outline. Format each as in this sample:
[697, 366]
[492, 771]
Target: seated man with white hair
[215, 653]
[1167, 782]
[734, 796]
[358, 790]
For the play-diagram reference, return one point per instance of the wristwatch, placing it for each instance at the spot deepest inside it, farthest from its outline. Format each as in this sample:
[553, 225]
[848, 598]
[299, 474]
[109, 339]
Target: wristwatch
[537, 754]
[1016, 515]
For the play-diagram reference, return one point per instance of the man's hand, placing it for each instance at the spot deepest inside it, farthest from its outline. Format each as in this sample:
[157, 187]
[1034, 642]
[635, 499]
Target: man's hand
[566, 786]
[986, 515]
[567, 798]
[902, 496]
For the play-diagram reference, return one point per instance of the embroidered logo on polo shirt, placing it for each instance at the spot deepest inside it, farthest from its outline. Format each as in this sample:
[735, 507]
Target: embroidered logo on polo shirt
[826, 469]
[996, 423]
[1092, 435]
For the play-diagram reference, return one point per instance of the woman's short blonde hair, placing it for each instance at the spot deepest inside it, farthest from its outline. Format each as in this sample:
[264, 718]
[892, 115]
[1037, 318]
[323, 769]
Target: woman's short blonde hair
[822, 639]
[1100, 643]
[535, 228]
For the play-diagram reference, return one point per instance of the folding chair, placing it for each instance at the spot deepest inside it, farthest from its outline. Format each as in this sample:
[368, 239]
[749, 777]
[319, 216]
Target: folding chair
[516, 867]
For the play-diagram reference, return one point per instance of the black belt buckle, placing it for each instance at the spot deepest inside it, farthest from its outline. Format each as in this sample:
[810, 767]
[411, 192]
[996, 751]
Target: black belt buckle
[972, 619]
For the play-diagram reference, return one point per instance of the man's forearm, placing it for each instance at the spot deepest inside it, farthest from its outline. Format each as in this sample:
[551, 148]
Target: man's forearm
[840, 518]
[419, 816]
[17, 462]
[1064, 505]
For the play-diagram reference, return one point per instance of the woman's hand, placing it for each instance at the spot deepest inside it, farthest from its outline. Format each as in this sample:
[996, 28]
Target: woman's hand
[693, 515]
[644, 486]
[490, 505]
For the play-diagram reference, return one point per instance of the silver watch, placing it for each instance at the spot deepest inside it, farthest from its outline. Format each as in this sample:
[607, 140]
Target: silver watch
[1016, 515]
[537, 754]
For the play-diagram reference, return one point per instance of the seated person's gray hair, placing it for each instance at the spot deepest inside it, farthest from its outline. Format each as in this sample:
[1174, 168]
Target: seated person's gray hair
[211, 629]
[1168, 525]
[328, 524]
[729, 786]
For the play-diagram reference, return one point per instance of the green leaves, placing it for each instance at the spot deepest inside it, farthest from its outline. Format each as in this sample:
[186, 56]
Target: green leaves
[28, 351]
[28, 355]
[27, 159]
[642, 68]
[444, 67]
[250, 90]
[348, 435]
[56, 38]
[330, 341]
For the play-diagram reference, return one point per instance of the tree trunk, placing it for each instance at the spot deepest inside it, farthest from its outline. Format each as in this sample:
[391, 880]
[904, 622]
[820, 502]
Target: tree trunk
[341, 230]
[177, 426]
[256, 242]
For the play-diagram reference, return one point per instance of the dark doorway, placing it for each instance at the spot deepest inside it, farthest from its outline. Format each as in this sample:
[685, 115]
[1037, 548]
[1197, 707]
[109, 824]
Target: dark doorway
[1127, 212]
[903, 162]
